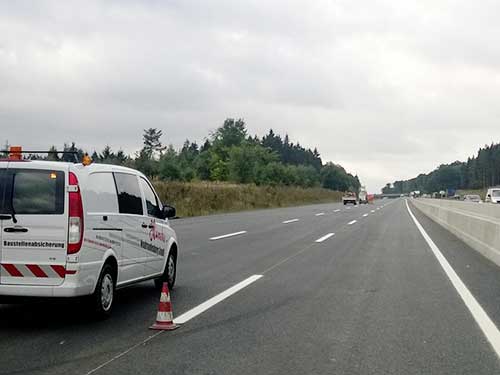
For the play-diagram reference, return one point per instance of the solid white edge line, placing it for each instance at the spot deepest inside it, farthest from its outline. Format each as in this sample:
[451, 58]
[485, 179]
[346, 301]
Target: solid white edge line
[324, 238]
[188, 315]
[489, 328]
[352, 222]
[290, 221]
[228, 235]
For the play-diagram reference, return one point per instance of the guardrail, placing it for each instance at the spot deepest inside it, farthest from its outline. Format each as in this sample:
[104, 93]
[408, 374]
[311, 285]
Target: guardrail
[476, 224]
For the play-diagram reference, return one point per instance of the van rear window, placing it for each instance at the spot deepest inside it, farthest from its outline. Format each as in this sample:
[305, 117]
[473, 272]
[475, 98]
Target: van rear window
[34, 192]
[3, 184]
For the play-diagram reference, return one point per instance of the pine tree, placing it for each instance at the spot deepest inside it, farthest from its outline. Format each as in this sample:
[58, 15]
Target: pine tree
[152, 143]
[5, 148]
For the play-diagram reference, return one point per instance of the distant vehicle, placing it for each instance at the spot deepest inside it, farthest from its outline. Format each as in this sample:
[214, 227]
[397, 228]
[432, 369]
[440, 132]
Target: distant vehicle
[349, 197]
[81, 229]
[493, 195]
[472, 198]
[363, 196]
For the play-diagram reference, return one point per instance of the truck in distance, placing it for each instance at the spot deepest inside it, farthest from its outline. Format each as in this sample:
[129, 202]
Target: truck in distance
[363, 196]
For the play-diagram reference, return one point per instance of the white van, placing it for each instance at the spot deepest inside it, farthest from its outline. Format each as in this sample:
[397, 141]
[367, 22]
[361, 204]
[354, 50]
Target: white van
[69, 230]
[493, 195]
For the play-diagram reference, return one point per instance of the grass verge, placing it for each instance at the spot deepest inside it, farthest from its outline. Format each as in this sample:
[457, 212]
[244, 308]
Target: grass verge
[205, 198]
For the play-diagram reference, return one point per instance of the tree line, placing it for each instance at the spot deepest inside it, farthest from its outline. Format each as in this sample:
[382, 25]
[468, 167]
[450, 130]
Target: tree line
[478, 172]
[228, 154]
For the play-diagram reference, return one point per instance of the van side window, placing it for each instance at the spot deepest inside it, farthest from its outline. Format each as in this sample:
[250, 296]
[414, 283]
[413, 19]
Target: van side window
[37, 192]
[129, 194]
[101, 193]
[152, 203]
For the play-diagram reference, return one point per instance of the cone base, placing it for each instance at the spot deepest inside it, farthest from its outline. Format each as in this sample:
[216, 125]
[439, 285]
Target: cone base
[164, 326]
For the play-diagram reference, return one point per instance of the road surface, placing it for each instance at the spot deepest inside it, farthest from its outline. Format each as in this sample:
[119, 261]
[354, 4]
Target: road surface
[329, 290]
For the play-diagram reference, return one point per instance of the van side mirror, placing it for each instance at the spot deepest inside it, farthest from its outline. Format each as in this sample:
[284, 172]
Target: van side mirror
[169, 212]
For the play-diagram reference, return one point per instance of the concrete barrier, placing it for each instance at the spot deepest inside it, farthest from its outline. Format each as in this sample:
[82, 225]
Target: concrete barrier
[476, 224]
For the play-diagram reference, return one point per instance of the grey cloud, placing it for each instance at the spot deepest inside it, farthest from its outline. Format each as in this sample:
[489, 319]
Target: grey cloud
[389, 89]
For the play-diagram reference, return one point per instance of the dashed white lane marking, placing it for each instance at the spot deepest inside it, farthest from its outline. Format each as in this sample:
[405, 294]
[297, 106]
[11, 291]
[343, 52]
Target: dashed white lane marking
[489, 328]
[352, 222]
[372, 211]
[290, 221]
[378, 208]
[228, 235]
[324, 238]
[365, 215]
[336, 210]
[320, 214]
[187, 316]
[348, 208]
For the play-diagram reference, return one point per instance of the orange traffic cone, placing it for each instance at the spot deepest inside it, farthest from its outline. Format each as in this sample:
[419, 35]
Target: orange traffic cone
[164, 318]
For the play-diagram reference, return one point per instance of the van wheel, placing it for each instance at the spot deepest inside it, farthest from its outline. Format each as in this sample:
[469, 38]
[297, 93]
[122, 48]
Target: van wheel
[169, 273]
[104, 294]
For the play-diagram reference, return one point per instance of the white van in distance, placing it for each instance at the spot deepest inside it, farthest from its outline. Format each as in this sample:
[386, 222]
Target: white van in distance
[69, 230]
[493, 195]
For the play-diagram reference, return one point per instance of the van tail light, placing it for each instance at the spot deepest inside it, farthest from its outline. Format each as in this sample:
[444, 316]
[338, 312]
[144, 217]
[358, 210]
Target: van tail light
[75, 223]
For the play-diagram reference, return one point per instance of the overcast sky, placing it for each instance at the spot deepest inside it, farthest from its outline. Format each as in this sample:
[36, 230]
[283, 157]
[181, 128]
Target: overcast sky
[388, 89]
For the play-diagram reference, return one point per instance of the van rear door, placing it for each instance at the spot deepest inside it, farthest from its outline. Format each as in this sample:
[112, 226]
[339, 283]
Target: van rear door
[34, 238]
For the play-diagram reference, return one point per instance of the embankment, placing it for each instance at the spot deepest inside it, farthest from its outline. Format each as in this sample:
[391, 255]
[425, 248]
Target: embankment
[205, 198]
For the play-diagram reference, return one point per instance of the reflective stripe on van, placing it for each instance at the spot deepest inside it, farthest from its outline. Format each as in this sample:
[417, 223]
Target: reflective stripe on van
[35, 270]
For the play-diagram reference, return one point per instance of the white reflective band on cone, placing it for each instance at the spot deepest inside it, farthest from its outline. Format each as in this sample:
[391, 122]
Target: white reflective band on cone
[165, 297]
[164, 316]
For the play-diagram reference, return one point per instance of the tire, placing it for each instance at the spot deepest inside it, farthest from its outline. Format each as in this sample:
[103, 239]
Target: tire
[169, 273]
[104, 295]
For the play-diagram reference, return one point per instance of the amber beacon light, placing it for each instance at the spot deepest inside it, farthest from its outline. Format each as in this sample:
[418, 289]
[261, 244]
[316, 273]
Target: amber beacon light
[86, 160]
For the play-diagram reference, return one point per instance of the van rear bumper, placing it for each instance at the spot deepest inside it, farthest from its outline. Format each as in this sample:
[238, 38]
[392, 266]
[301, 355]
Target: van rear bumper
[67, 289]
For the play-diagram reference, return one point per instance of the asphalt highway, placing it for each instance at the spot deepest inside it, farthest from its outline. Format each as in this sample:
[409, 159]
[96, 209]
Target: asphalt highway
[327, 289]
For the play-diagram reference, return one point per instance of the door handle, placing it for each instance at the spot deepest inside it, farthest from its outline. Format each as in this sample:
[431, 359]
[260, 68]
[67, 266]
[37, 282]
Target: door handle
[5, 217]
[151, 226]
[15, 230]
[144, 225]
